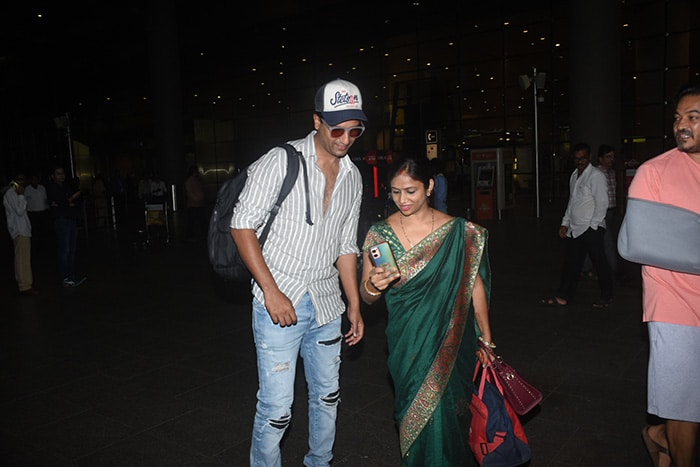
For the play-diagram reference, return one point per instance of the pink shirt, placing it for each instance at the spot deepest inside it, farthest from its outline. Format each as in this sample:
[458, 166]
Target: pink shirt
[671, 178]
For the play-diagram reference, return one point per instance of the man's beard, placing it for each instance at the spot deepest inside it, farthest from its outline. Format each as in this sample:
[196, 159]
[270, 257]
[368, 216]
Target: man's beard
[689, 145]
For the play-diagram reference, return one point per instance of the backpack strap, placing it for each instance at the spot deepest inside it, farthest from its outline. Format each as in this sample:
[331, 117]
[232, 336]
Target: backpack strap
[294, 158]
[306, 183]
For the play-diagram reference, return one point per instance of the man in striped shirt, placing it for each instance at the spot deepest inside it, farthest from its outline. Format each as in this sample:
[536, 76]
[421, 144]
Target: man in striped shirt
[606, 163]
[297, 304]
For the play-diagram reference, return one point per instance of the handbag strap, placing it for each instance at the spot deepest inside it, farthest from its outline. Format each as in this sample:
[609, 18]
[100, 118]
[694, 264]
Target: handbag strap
[494, 362]
[487, 374]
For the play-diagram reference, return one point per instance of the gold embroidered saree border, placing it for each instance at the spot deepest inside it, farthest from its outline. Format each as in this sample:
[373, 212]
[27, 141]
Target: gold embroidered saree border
[429, 394]
[413, 261]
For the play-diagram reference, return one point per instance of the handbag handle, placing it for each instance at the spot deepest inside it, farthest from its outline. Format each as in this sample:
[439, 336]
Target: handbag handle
[496, 362]
[487, 374]
[521, 394]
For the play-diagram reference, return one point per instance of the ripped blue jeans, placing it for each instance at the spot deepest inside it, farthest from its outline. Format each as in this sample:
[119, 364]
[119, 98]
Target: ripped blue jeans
[277, 350]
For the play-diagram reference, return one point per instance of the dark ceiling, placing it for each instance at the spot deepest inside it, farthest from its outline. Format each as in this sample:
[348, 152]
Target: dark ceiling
[54, 55]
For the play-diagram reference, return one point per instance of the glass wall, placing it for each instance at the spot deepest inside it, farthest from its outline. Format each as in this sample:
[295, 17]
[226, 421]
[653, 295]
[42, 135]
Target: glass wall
[443, 69]
[421, 66]
[657, 59]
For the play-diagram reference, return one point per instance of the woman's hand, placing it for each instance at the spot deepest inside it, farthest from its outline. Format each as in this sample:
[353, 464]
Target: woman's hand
[484, 358]
[381, 278]
[375, 280]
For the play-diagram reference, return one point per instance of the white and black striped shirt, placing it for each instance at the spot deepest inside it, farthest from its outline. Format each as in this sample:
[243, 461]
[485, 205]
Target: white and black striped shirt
[302, 257]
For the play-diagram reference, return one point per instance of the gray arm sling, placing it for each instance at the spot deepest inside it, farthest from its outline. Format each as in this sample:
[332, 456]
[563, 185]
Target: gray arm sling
[660, 235]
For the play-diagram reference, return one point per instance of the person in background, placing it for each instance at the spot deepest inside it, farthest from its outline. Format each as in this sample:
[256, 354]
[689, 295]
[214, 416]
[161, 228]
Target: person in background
[20, 229]
[100, 201]
[159, 190]
[37, 206]
[583, 229]
[438, 307]
[144, 188]
[671, 299]
[65, 212]
[117, 189]
[298, 304]
[440, 188]
[606, 164]
[196, 219]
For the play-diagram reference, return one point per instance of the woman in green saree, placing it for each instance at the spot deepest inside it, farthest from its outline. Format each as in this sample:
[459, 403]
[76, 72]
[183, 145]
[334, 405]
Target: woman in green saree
[437, 303]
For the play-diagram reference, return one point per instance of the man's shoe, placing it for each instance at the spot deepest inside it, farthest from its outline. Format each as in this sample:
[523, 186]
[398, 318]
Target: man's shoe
[68, 282]
[77, 280]
[29, 292]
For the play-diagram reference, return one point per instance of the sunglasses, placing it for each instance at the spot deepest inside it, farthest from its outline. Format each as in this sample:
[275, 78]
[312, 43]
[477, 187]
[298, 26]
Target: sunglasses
[338, 131]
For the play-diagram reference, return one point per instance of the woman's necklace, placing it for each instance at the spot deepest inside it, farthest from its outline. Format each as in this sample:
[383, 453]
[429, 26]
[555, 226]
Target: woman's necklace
[432, 226]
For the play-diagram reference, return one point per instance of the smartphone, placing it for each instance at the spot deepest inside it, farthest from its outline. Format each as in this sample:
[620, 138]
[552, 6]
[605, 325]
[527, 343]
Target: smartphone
[381, 255]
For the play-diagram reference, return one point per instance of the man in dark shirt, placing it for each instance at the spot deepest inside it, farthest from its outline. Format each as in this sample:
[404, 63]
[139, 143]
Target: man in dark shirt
[65, 202]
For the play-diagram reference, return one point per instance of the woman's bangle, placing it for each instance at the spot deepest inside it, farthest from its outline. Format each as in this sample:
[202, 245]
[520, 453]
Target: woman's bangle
[487, 343]
[369, 292]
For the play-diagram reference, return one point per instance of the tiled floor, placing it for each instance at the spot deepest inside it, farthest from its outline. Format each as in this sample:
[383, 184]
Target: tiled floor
[151, 362]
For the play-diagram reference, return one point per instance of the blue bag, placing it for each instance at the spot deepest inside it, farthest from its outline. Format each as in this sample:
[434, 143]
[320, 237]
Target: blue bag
[496, 436]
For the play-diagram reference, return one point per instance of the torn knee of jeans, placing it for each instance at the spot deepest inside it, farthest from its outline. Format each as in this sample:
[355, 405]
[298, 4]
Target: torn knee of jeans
[331, 341]
[282, 422]
[280, 367]
[332, 398]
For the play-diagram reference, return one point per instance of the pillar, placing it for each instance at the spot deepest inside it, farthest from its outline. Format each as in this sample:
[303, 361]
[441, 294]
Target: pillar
[595, 68]
[164, 68]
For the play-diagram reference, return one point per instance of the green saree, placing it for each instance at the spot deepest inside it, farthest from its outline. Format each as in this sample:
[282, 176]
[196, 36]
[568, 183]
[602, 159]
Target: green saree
[432, 339]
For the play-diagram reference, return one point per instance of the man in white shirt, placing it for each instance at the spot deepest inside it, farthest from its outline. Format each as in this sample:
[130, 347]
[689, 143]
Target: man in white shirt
[20, 230]
[583, 228]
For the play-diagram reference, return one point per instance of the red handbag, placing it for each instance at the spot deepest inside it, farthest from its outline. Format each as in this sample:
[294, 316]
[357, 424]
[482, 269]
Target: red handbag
[522, 395]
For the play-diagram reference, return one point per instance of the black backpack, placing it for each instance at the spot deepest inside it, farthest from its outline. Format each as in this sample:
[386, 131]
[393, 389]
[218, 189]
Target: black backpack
[223, 253]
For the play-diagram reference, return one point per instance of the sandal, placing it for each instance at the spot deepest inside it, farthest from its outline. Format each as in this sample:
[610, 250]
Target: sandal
[552, 301]
[654, 448]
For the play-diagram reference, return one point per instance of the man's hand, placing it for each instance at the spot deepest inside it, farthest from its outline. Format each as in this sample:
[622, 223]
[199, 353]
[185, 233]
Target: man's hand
[357, 326]
[280, 308]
